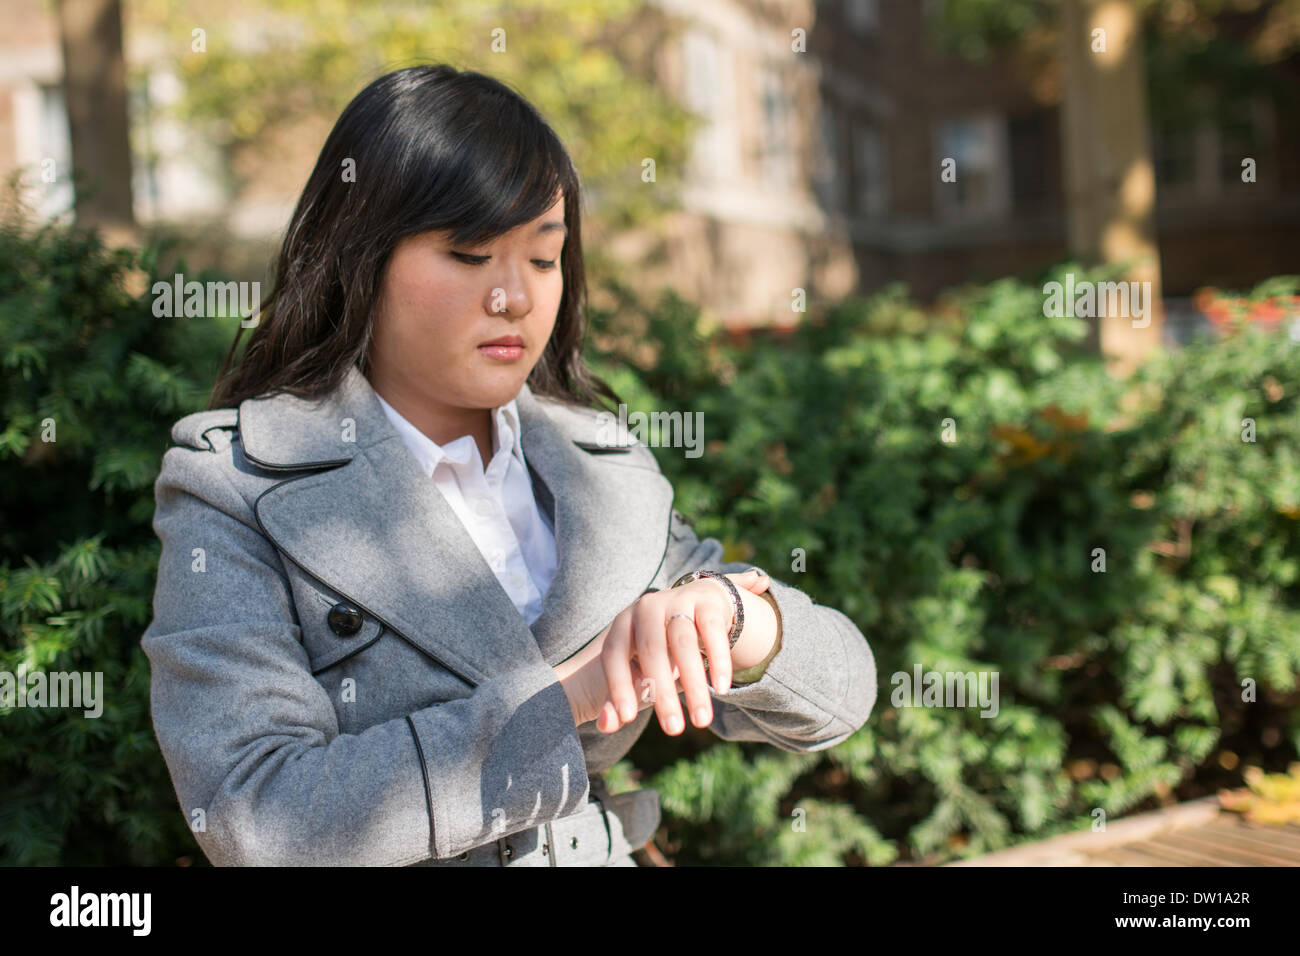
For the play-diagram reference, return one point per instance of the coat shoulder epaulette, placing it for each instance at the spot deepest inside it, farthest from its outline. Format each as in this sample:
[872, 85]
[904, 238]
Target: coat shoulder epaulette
[198, 430]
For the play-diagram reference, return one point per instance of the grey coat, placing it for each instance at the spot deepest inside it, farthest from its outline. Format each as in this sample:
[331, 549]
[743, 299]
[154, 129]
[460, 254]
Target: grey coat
[437, 732]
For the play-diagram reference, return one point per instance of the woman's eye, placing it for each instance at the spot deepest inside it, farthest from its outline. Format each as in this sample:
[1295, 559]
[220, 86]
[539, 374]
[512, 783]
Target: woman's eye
[544, 264]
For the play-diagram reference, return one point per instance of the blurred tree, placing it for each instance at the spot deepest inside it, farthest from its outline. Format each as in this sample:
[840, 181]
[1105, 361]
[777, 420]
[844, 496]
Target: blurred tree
[1263, 32]
[1109, 175]
[1197, 59]
[585, 64]
[94, 89]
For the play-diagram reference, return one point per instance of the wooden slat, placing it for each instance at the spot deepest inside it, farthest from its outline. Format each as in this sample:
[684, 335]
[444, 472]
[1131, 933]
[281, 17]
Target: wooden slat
[1197, 833]
[1228, 848]
[1279, 837]
[1154, 856]
[1117, 833]
[1181, 855]
[1281, 844]
[1123, 856]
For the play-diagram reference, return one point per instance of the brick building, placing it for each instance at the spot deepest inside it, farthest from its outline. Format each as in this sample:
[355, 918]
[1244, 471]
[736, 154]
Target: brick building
[817, 167]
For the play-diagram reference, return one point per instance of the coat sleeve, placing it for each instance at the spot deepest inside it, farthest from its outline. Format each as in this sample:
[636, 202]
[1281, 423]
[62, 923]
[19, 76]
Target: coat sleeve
[252, 740]
[818, 689]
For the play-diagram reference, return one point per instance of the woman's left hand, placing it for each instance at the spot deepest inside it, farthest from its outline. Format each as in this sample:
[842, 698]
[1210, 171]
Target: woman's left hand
[647, 647]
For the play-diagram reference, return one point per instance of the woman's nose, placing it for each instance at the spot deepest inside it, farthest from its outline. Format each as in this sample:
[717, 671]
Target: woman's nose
[510, 298]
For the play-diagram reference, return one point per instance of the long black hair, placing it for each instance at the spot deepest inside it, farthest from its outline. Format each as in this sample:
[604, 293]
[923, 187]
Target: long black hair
[429, 148]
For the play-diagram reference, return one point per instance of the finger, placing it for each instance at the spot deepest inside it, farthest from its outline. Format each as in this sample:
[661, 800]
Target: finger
[611, 720]
[754, 580]
[615, 660]
[608, 721]
[651, 641]
[684, 644]
[712, 633]
[644, 690]
[645, 698]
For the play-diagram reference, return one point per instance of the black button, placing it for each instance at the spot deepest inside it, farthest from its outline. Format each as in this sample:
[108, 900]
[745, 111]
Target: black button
[345, 620]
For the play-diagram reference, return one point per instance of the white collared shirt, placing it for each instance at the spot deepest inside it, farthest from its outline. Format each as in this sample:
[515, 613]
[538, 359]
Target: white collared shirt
[496, 505]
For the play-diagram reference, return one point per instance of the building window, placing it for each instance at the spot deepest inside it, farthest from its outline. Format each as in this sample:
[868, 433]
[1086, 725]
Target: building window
[1204, 161]
[1029, 141]
[1248, 134]
[775, 146]
[1174, 157]
[978, 147]
[869, 171]
[54, 142]
[144, 165]
[830, 184]
[708, 93]
[864, 15]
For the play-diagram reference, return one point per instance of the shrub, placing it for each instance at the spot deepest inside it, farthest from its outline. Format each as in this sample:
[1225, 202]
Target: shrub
[1117, 687]
[92, 383]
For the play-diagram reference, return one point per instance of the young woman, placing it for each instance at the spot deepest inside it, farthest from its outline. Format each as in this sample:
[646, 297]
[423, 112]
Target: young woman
[411, 599]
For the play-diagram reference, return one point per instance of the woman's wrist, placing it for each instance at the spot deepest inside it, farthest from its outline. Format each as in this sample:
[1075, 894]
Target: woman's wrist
[760, 628]
[759, 635]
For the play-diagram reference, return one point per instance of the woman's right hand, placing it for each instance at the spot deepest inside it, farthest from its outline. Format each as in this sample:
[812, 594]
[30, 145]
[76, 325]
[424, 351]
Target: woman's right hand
[584, 681]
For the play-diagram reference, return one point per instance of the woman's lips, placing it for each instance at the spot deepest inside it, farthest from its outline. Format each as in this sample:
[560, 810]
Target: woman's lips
[502, 353]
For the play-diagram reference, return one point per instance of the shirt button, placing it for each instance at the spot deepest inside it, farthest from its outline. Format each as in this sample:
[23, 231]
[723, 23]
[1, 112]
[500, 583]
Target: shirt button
[485, 506]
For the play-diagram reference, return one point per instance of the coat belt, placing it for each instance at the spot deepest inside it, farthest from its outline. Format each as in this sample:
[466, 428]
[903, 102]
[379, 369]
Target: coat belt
[603, 833]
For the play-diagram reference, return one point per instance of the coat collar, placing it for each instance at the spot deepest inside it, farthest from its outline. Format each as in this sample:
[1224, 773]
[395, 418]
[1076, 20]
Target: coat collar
[460, 451]
[357, 512]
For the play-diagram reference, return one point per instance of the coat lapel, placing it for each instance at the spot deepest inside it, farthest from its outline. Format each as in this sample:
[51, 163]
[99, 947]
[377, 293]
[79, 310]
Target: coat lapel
[357, 512]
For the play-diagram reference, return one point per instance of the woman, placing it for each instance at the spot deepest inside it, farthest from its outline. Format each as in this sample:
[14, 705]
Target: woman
[411, 600]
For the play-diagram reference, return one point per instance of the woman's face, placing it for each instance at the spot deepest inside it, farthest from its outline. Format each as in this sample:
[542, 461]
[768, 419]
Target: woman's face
[440, 303]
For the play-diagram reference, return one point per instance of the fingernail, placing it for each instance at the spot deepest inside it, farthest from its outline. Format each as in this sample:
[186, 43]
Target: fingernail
[628, 712]
[674, 725]
[701, 716]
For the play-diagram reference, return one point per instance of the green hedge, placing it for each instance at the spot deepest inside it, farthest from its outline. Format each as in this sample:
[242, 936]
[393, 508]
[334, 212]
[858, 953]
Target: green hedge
[965, 555]
[77, 553]
[1118, 689]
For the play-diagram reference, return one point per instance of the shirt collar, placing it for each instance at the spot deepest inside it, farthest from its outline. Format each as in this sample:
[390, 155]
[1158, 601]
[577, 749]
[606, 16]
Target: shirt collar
[460, 450]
